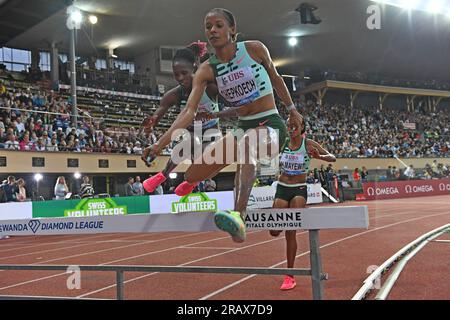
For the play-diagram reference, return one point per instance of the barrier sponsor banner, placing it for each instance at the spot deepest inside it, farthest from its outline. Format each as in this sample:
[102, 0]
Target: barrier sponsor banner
[92, 207]
[285, 219]
[406, 189]
[314, 193]
[308, 218]
[263, 197]
[16, 210]
[195, 202]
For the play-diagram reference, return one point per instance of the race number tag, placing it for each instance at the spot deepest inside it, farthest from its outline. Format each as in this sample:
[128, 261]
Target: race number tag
[238, 87]
[292, 164]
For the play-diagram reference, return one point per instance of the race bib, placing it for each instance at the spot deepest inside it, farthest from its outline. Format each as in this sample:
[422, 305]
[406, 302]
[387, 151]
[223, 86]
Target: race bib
[292, 164]
[238, 87]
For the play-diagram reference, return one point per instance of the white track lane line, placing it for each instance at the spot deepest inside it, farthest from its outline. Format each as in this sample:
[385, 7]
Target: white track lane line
[189, 262]
[48, 277]
[223, 253]
[44, 278]
[109, 262]
[306, 252]
[75, 237]
[141, 242]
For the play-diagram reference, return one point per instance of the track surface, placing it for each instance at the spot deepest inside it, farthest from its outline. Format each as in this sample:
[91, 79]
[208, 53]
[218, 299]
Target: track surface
[346, 256]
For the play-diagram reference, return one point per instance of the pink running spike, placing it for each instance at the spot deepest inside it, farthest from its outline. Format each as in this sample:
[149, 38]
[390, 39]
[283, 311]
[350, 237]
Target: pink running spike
[153, 182]
[185, 188]
[288, 283]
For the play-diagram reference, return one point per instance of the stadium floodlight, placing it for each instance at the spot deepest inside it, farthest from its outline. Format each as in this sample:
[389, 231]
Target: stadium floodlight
[38, 177]
[173, 175]
[77, 175]
[93, 19]
[293, 41]
[435, 6]
[76, 16]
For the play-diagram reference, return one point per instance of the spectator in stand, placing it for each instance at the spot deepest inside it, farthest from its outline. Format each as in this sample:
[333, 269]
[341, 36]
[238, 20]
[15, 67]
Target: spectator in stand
[40, 145]
[310, 179]
[86, 189]
[357, 178]
[46, 138]
[138, 187]
[409, 172]
[322, 176]
[364, 174]
[61, 189]
[389, 173]
[21, 194]
[159, 190]
[210, 185]
[19, 125]
[2, 138]
[137, 148]
[2, 88]
[129, 190]
[10, 189]
[26, 144]
[396, 173]
[53, 146]
[434, 168]
[330, 178]
[11, 143]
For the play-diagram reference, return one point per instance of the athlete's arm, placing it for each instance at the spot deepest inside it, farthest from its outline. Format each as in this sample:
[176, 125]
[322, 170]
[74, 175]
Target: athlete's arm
[169, 99]
[187, 115]
[318, 152]
[260, 50]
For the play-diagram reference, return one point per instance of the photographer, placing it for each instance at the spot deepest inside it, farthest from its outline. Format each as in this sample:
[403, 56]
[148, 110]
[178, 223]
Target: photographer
[10, 189]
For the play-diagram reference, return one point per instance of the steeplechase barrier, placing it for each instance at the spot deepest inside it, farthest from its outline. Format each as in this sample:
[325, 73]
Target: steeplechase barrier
[311, 219]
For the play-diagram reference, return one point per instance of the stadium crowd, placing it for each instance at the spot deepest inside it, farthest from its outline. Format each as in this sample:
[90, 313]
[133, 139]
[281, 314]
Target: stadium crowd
[40, 121]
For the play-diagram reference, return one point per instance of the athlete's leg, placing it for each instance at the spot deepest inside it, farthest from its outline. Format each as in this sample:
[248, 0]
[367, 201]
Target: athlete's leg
[214, 159]
[280, 204]
[253, 145]
[291, 245]
[153, 182]
[291, 239]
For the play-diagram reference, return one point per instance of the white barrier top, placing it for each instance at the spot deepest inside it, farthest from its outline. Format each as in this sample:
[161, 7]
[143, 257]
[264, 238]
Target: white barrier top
[264, 219]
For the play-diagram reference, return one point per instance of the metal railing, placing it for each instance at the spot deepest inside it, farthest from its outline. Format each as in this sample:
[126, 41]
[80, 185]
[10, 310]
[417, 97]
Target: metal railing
[315, 272]
[120, 270]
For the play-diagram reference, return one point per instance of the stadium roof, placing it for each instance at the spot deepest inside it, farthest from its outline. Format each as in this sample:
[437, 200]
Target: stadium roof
[18, 16]
[409, 45]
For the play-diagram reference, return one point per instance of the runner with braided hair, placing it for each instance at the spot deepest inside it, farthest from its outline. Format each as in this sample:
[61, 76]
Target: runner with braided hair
[185, 63]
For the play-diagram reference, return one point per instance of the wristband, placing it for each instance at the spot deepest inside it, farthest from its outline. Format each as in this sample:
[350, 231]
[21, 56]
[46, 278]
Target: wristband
[290, 107]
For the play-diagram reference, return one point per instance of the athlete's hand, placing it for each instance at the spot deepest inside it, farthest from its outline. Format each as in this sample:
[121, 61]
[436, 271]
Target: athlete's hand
[148, 123]
[204, 116]
[149, 154]
[294, 114]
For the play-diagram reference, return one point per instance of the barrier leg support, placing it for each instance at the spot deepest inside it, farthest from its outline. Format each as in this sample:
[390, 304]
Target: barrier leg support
[119, 278]
[316, 264]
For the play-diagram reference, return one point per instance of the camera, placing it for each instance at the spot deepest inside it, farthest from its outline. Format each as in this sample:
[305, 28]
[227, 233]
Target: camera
[307, 16]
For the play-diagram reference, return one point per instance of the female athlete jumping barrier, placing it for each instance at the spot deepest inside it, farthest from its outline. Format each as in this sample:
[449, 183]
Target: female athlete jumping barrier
[245, 76]
[184, 65]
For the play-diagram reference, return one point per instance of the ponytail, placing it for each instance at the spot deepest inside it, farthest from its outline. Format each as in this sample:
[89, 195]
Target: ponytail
[194, 53]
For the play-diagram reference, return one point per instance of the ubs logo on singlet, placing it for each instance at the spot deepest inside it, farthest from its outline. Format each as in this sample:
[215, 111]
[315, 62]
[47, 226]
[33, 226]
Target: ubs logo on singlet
[232, 77]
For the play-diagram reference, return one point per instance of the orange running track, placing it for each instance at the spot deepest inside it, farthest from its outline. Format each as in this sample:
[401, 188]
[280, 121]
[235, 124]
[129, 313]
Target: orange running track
[346, 256]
